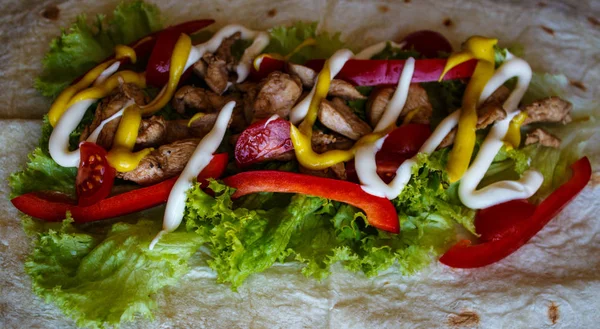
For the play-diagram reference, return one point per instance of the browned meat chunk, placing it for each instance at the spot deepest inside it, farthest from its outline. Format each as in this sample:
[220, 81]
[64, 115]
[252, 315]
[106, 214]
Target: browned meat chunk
[217, 76]
[551, 109]
[152, 132]
[542, 137]
[417, 104]
[276, 94]
[338, 88]
[198, 99]
[165, 162]
[337, 116]
[216, 68]
[322, 142]
[337, 171]
[109, 106]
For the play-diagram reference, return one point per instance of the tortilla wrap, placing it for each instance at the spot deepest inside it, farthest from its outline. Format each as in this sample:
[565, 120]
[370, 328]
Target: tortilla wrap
[552, 282]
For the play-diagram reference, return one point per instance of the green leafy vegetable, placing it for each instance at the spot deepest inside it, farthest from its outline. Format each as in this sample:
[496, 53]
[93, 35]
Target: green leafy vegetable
[42, 173]
[104, 279]
[391, 52]
[445, 97]
[84, 45]
[284, 40]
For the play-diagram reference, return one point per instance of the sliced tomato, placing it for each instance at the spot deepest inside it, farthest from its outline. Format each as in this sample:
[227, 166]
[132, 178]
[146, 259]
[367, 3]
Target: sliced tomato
[428, 43]
[387, 165]
[95, 177]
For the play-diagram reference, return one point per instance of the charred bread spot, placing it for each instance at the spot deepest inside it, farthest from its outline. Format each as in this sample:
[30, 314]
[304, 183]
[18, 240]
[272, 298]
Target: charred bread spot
[51, 12]
[553, 313]
[383, 9]
[448, 22]
[464, 319]
[594, 21]
[272, 12]
[578, 84]
[548, 30]
[541, 4]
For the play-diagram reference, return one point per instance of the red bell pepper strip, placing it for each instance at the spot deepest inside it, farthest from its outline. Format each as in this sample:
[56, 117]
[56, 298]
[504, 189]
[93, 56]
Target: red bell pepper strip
[267, 65]
[262, 141]
[159, 63]
[465, 255]
[499, 221]
[371, 72]
[51, 207]
[380, 211]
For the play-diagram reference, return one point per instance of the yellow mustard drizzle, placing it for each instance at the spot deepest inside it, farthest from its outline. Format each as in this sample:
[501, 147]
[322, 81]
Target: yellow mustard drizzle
[305, 43]
[301, 136]
[106, 87]
[482, 49]
[59, 106]
[195, 117]
[410, 115]
[178, 60]
[513, 135]
[121, 156]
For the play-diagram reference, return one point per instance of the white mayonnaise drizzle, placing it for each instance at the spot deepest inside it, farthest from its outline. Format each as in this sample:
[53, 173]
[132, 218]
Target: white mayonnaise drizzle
[502, 191]
[199, 160]
[58, 145]
[396, 104]
[499, 192]
[261, 40]
[335, 64]
[375, 49]
[271, 118]
[114, 67]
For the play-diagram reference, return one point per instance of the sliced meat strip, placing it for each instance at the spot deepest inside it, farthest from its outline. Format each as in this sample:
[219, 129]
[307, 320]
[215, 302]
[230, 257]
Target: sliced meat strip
[542, 137]
[109, 106]
[322, 142]
[551, 109]
[276, 94]
[417, 104]
[199, 100]
[337, 116]
[165, 162]
[152, 132]
[338, 88]
[217, 75]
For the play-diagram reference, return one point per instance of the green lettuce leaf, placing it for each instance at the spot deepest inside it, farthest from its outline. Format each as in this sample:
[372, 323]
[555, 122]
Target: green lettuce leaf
[84, 45]
[106, 278]
[285, 39]
[42, 173]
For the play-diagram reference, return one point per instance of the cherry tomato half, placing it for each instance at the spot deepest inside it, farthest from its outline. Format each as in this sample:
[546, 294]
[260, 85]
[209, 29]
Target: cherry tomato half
[95, 176]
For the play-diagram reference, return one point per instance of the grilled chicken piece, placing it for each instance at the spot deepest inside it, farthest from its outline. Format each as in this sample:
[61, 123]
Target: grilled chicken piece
[216, 68]
[542, 137]
[217, 76]
[338, 88]
[337, 171]
[551, 109]
[417, 100]
[152, 132]
[337, 116]
[276, 94]
[165, 162]
[109, 106]
[322, 142]
[199, 99]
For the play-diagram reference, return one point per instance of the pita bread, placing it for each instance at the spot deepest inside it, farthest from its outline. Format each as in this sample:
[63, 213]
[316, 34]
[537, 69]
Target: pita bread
[551, 282]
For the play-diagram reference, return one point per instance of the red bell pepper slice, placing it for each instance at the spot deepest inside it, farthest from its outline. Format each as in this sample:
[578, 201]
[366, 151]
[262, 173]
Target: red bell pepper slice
[465, 255]
[262, 141]
[380, 211]
[428, 43]
[369, 72]
[267, 65]
[159, 63]
[505, 219]
[53, 207]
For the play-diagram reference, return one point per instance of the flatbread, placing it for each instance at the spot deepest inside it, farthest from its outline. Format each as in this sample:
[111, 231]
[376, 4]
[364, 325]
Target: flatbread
[551, 282]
